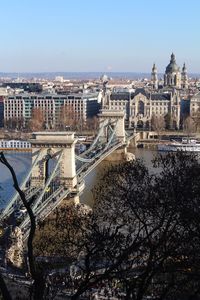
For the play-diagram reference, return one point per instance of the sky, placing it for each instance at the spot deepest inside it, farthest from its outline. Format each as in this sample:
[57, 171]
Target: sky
[93, 35]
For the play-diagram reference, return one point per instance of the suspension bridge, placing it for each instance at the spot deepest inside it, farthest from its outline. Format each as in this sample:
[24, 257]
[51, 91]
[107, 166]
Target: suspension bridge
[46, 189]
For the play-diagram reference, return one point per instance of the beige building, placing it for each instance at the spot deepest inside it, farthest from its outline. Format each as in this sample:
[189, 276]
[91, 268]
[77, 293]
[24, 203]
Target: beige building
[144, 105]
[141, 105]
[195, 104]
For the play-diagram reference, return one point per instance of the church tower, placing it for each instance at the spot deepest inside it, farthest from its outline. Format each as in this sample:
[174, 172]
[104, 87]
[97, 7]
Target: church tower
[154, 77]
[184, 77]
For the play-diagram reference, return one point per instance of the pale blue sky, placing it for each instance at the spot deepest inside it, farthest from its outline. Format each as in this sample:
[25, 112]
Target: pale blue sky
[93, 35]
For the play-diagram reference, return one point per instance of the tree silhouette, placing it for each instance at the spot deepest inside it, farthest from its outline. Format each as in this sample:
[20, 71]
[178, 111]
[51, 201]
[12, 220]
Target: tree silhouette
[37, 276]
[158, 124]
[37, 119]
[141, 238]
[189, 125]
[137, 233]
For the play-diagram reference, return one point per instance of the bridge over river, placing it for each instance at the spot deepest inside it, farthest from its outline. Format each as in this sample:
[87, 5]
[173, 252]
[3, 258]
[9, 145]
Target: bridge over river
[46, 190]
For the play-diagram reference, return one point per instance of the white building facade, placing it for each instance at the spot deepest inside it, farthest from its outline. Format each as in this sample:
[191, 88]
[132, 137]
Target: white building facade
[83, 105]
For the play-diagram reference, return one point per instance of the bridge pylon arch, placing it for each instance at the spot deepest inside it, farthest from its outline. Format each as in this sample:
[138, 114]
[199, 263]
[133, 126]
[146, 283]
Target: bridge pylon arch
[107, 117]
[52, 143]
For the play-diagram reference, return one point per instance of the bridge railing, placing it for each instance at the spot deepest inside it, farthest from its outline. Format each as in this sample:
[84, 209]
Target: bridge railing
[32, 190]
[92, 146]
[103, 150]
[45, 210]
[48, 181]
[42, 205]
[87, 168]
[10, 206]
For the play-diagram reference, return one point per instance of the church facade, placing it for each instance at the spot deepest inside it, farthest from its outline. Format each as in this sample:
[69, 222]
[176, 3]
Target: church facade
[141, 105]
[164, 101]
[146, 104]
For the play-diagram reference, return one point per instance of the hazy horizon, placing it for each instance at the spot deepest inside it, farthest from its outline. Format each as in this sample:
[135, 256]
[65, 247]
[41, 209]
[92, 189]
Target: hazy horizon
[84, 75]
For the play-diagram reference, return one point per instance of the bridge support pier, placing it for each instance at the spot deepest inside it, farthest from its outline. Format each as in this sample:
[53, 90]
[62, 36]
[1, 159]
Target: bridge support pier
[111, 117]
[115, 119]
[52, 143]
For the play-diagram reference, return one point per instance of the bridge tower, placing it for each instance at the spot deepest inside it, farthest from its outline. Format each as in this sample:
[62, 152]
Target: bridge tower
[115, 118]
[54, 144]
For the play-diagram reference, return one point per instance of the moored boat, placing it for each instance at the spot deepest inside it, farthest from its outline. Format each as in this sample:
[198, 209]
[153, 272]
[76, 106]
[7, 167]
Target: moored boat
[188, 145]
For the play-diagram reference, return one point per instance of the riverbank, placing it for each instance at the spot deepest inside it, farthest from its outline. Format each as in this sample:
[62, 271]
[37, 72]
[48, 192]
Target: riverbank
[16, 149]
[25, 135]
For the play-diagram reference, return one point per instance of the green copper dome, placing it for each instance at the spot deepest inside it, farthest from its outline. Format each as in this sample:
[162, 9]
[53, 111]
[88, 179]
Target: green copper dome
[172, 67]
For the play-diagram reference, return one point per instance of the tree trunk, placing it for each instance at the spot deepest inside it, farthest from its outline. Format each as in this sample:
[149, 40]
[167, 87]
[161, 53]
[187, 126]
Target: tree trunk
[38, 278]
[39, 286]
[4, 291]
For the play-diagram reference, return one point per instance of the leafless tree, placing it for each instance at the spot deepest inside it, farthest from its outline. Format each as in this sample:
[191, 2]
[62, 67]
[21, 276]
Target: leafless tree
[189, 125]
[168, 120]
[37, 120]
[196, 119]
[92, 124]
[68, 117]
[158, 124]
[137, 233]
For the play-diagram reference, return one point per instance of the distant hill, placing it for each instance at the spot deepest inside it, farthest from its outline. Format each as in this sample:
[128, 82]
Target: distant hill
[84, 75]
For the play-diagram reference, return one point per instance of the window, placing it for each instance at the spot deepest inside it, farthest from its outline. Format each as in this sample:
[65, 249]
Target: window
[141, 107]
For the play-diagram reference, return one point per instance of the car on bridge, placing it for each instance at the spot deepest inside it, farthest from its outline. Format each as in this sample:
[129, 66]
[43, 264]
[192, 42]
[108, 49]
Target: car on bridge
[92, 154]
[19, 215]
[81, 138]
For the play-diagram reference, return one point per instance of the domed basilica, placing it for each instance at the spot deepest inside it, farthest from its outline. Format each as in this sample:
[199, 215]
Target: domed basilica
[173, 77]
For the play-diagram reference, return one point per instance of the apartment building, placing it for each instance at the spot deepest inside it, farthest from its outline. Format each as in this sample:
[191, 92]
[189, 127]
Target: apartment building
[83, 105]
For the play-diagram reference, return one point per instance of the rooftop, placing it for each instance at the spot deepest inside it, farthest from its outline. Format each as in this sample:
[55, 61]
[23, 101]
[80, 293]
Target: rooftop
[159, 96]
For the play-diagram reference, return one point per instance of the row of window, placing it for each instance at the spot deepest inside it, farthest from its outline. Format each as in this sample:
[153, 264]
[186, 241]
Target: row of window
[13, 103]
[133, 104]
[15, 144]
[13, 114]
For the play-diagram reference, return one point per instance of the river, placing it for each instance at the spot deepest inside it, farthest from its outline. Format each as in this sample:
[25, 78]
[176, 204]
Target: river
[21, 163]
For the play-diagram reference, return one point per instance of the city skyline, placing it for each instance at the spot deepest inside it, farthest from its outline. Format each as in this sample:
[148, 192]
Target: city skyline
[84, 36]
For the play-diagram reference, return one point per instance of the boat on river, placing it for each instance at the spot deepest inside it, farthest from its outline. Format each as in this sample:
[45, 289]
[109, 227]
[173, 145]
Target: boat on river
[187, 145]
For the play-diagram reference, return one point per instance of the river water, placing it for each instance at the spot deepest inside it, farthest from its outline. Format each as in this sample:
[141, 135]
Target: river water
[21, 162]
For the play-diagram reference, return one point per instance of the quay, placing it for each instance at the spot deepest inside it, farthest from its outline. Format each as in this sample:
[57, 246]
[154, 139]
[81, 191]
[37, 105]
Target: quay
[16, 149]
[15, 145]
